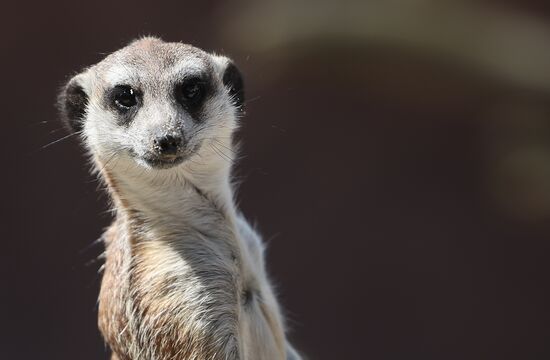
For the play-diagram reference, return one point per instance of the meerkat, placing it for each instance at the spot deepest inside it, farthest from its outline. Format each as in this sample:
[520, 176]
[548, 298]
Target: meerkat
[184, 274]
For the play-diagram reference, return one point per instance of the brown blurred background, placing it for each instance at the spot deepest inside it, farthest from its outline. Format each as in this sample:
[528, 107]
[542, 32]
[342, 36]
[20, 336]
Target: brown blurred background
[396, 156]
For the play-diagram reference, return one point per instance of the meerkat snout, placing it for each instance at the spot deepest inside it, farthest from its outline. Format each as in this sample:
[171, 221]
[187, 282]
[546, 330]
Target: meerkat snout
[168, 145]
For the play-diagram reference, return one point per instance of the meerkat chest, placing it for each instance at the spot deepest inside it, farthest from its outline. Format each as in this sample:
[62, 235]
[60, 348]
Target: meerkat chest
[172, 295]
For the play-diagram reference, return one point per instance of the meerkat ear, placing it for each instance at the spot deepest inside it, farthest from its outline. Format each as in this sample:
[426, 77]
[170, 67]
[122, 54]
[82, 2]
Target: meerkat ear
[232, 79]
[72, 102]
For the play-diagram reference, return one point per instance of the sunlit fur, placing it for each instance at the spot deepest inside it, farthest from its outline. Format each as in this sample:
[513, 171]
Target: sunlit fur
[184, 276]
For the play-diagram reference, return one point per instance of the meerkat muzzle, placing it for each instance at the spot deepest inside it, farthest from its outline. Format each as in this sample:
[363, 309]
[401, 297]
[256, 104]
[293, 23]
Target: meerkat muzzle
[168, 146]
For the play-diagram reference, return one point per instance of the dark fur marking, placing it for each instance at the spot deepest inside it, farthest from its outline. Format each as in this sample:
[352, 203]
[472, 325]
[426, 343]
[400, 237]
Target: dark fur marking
[124, 117]
[194, 109]
[72, 102]
[248, 296]
[233, 79]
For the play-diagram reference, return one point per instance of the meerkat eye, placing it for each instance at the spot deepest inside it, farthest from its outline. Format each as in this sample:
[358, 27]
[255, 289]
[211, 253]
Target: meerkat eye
[124, 97]
[191, 92]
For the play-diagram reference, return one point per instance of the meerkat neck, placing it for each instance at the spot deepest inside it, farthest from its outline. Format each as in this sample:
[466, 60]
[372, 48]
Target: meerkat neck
[171, 198]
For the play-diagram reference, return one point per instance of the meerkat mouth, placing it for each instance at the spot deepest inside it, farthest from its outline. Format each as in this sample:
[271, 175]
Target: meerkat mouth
[168, 161]
[153, 160]
[165, 162]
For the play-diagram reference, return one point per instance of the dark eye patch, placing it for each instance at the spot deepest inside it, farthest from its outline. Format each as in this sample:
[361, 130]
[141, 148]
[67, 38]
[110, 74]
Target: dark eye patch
[125, 100]
[192, 92]
[124, 97]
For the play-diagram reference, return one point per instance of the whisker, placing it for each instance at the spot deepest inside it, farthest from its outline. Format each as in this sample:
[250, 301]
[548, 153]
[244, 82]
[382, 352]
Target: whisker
[107, 162]
[221, 153]
[253, 99]
[38, 123]
[56, 130]
[218, 142]
[196, 162]
[58, 140]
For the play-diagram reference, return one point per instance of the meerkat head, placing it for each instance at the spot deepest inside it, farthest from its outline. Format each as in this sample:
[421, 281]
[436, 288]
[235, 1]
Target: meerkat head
[154, 104]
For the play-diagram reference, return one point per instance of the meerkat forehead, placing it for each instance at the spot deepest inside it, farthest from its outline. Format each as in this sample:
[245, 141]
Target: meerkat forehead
[152, 61]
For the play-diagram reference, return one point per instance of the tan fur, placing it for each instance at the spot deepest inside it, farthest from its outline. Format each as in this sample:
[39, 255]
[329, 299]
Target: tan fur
[138, 312]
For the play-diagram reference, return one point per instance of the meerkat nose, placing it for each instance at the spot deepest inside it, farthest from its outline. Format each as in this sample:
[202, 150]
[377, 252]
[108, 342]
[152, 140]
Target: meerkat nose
[168, 144]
